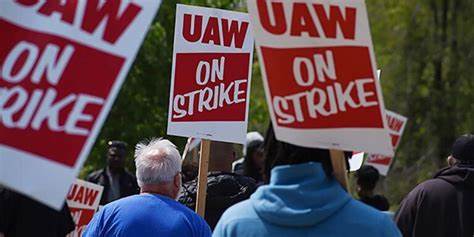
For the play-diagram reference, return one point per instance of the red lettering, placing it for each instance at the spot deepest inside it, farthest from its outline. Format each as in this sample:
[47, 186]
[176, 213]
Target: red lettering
[196, 35]
[72, 192]
[115, 24]
[212, 32]
[329, 23]
[67, 9]
[302, 21]
[394, 124]
[395, 140]
[27, 2]
[279, 16]
[91, 195]
[79, 195]
[234, 33]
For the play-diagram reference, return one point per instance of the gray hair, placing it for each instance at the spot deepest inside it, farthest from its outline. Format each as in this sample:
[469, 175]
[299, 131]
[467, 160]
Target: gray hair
[157, 161]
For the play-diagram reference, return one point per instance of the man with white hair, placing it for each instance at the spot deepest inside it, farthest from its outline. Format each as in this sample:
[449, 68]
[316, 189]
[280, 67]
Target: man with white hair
[153, 212]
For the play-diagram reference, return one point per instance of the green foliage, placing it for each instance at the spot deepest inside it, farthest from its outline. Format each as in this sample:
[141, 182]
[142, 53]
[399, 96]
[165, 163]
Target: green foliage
[424, 49]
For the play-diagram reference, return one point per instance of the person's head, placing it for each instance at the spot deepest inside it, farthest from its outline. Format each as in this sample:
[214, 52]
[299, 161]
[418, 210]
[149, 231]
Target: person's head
[116, 153]
[367, 178]
[158, 167]
[281, 153]
[462, 151]
[254, 161]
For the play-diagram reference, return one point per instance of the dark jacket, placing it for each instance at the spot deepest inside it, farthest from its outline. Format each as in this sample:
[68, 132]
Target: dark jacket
[223, 190]
[377, 201]
[22, 216]
[442, 206]
[128, 183]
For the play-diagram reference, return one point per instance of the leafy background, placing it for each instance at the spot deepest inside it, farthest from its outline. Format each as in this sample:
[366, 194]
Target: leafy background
[423, 47]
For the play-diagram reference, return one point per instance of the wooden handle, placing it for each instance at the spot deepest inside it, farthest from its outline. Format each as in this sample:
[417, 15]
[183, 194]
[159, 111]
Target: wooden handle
[202, 177]
[339, 167]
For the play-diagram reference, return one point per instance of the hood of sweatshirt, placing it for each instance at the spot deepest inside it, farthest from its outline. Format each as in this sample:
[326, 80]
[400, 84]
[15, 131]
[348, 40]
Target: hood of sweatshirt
[299, 195]
[458, 175]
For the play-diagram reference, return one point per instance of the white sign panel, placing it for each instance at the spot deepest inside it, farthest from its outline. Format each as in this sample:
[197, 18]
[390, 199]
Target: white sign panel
[62, 64]
[319, 73]
[210, 84]
[83, 201]
[397, 124]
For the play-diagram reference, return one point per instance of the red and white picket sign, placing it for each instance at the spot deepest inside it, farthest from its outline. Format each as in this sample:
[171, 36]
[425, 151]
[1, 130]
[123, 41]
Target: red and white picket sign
[83, 200]
[356, 161]
[396, 124]
[211, 74]
[319, 73]
[62, 64]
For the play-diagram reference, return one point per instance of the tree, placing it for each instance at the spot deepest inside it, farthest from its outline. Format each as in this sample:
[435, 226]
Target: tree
[424, 49]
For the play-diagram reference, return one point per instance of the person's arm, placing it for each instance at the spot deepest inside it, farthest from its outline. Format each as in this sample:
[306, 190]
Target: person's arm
[1, 234]
[410, 211]
[406, 215]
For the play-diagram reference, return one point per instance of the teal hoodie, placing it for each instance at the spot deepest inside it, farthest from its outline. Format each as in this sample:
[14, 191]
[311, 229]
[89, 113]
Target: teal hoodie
[301, 201]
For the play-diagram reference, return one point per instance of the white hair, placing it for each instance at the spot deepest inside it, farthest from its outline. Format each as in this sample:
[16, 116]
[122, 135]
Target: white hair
[157, 161]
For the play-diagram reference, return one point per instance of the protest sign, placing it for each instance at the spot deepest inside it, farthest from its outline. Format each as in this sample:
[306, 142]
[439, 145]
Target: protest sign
[62, 64]
[83, 200]
[356, 160]
[211, 74]
[319, 73]
[396, 124]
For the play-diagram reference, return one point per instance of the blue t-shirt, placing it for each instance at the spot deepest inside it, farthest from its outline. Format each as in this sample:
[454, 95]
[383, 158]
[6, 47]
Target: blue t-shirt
[147, 215]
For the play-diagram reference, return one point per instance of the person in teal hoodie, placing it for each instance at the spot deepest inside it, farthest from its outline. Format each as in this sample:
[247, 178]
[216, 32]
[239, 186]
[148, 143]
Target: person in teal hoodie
[302, 199]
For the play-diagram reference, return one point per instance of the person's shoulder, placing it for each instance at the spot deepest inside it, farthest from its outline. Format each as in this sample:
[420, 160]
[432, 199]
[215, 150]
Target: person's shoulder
[381, 202]
[379, 197]
[374, 221]
[178, 207]
[361, 211]
[125, 201]
[185, 213]
[429, 188]
[95, 175]
[240, 212]
[432, 185]
[238, 219]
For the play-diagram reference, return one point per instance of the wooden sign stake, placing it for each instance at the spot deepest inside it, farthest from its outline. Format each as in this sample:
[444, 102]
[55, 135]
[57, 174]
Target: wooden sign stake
[202, 177]
[339, 166]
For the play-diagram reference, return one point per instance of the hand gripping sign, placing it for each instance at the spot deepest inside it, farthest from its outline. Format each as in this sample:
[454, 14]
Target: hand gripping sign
[61, 66]
[211, 74]
[396, 124]
[83, 200]
[319, 73]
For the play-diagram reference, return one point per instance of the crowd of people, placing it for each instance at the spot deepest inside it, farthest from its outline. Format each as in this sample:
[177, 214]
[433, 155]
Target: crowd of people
[275, 189]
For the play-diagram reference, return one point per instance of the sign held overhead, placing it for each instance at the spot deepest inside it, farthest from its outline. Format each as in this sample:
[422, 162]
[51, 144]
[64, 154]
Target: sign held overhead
[396, 124]
[61, 67]
[211, 74]
[319, 74]
[83, 200]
